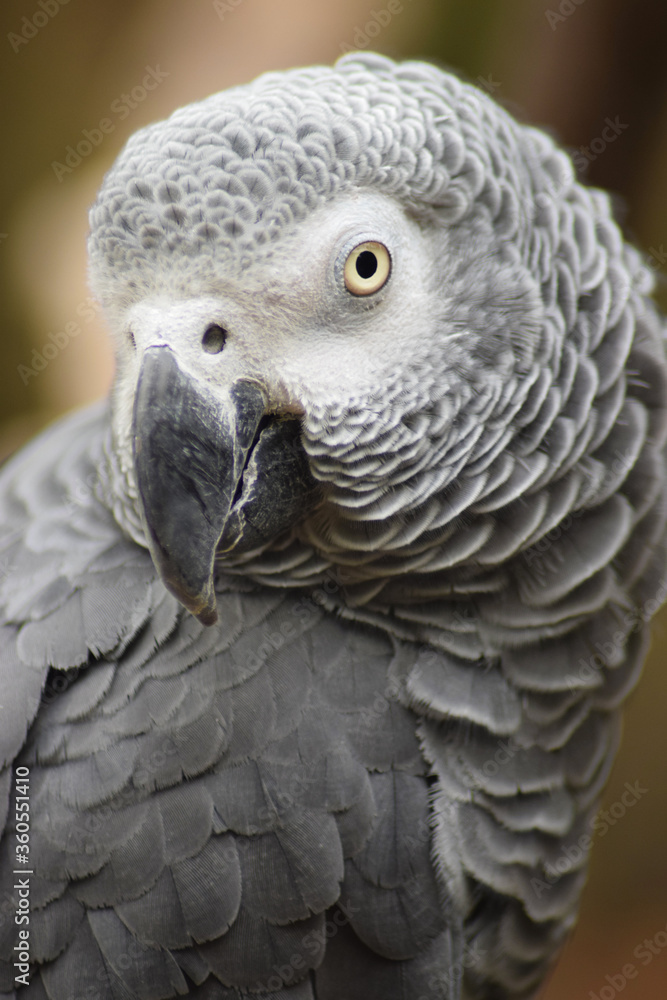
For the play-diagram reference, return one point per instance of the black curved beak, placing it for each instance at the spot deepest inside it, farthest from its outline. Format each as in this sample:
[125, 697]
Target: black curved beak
[190, 450]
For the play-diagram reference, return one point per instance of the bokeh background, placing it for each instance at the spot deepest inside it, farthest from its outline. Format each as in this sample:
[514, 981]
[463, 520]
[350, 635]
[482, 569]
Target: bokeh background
[568, 65]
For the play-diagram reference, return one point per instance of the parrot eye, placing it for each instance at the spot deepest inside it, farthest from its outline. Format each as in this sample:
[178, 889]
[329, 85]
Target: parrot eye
[367, 268]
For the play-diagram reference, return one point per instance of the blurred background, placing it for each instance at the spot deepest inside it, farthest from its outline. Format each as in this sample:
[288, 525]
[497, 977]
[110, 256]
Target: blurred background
[572, 66]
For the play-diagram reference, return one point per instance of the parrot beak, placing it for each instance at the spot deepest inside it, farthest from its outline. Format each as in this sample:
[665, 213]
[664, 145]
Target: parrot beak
[190, 450]
[214, 474]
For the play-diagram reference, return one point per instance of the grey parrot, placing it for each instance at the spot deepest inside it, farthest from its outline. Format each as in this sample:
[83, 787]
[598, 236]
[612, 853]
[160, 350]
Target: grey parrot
[315, 635]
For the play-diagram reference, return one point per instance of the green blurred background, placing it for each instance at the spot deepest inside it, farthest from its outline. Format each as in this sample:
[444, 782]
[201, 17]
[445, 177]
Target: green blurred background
[568, 65]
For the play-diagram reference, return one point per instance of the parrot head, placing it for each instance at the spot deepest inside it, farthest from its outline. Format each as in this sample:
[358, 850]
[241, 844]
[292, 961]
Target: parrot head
[326, 313]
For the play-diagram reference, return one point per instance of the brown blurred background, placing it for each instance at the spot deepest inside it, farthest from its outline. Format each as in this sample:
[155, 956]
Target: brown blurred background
[566, 64]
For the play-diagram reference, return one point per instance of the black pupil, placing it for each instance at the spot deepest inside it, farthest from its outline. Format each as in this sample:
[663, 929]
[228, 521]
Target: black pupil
[367, 264]
[214, 339]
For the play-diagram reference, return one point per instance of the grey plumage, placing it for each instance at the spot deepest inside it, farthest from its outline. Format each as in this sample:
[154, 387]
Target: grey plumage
[440, 530]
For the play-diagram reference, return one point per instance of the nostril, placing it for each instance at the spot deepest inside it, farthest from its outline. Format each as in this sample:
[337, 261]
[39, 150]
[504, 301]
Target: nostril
[214, 339]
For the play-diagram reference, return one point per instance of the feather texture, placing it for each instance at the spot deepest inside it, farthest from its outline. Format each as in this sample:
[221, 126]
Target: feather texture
[370, 777]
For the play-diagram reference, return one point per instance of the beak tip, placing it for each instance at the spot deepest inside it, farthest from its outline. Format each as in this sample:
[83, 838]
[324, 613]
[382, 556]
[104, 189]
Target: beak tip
[205, 611]
[207, 616]
[199, 599]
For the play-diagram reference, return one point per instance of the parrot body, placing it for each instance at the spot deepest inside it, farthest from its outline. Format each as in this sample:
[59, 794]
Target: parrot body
[314, 637]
